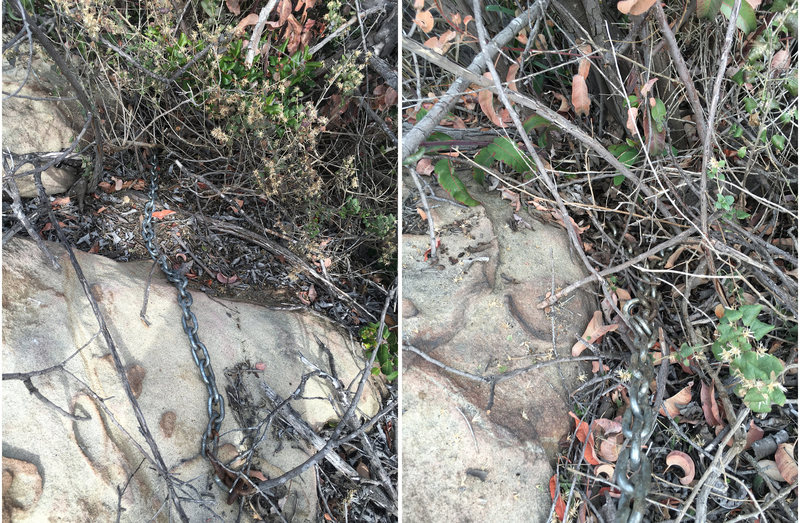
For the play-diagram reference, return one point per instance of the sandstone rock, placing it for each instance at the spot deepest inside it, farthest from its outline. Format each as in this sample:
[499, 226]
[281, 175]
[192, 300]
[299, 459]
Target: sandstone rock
[474, 310]
[39, 125]
[47, 318]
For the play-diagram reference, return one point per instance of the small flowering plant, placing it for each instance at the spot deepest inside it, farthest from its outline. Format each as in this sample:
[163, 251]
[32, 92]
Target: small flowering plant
[756, 372]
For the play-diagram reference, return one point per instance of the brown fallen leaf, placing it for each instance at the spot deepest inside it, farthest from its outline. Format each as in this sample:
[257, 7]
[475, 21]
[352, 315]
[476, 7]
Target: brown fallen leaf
[486, 101]
[633, 113]
[244, 23]
[684, 462]
[634, 7]
[787, 465]
[425, 166]
[709, 405]
[585, 64]
[424, 21]
[594, 331]
[513, 197]
[674, 403]
[422, 214]
[162, 214]
[580, 96]
[233, 6]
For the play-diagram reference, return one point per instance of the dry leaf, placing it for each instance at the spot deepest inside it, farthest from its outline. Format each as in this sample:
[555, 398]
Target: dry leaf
[633, 113]
[512, 197]
[233, 6]
[710, 406]
[770, 469]
[787, 465]
[419, 4]
[422, 214]
[486, 101]
[425, 166]
[390, 98]
[674, 403]
[312, 293]
[594, 331]
[580, 96]
[585, 64]
[682, 460]
[424, 21]
[225, 279]
[564, 107]
[511, 76]
[781, 60]
[648, 85]
[162, 214]
[634, 7]
[284, 11]
[244, 23]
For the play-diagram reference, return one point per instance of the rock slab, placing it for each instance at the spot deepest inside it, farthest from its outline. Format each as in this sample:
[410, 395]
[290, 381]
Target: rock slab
[474, 309]
[56, 467]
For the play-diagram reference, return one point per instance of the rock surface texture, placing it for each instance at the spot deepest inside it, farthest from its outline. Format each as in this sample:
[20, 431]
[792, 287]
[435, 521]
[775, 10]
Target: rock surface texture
[474, 309]
[71, 470]
[35, 121]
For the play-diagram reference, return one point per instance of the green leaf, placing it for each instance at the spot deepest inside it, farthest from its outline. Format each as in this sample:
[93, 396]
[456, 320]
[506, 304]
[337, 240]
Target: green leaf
[506, 151]
[750, 104]
[760, 329]
[412, 159]
[535, 121]
[757, 400]
[659, 114]
[746, 21]
[452, 184]
[742, 152]
[708, 8]
[779, 141]
[618, 179]
[749, 313]
[738, 77]
[499, 9]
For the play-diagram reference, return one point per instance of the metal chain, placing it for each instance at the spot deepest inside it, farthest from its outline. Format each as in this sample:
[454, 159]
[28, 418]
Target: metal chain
[633, 468]
[216, 404]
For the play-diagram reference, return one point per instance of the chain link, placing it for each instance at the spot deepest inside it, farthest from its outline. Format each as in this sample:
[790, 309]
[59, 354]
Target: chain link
[216, 404]
[633, 468]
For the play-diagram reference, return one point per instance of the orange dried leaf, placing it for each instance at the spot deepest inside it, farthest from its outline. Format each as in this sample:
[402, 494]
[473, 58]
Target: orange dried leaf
[424, 21]
[486, 101]
[580, 96]
[422, 214]
[594, 331]
[633, 113]
[158, 215]
[425, 166]
[634, 7]
[682, 460]
[787, 465]
[511, 76]
[244, 23]
[674, 403]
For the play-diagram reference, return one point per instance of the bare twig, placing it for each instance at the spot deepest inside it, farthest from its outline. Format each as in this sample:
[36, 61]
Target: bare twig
[255, 37]
[424, 200]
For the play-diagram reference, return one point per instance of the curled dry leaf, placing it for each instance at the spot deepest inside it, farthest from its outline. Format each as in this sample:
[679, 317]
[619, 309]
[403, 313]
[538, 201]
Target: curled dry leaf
[606, 469]
[581, 428]
[682, 460]
[787, 465]
[674, 403]
[754, 433]
[580, 96]
[424, 21]
[634, 7]
[633, 113]
[512, 75]
[422, 214]
[594, 331]
[486, 101]
[564, 107]
[312, 293]
[709, 404]
[227, 280]
[244, 23]
[555, 495]
[419, 4]
[162, 214]
[648, 85]
[513, 197]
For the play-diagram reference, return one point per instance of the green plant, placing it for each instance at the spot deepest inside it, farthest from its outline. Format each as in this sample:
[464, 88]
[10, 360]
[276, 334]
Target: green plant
[386, 359]
[756, 371]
